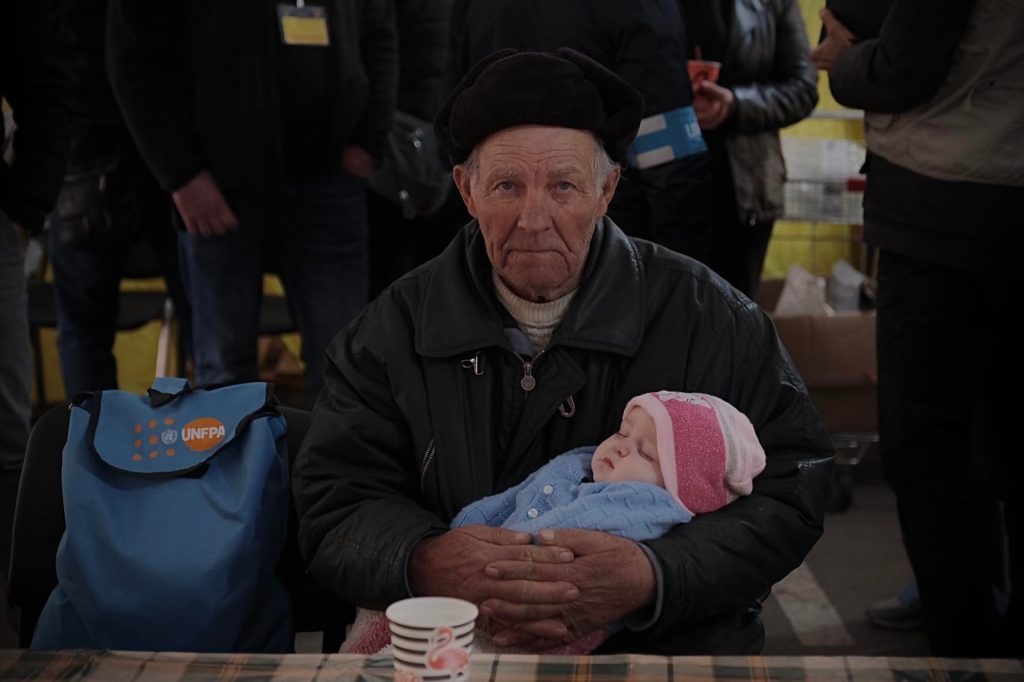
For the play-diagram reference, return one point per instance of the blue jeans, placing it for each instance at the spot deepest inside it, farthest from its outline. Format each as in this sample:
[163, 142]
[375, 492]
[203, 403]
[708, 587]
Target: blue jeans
[87, 287]
[316, 235]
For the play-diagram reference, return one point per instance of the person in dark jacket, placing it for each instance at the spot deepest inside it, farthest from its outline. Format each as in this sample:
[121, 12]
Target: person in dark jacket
[944, 126]
[527, 336]
[36, 85]
[262, 121]
[665, 192]
[110, 210]
[766, 82]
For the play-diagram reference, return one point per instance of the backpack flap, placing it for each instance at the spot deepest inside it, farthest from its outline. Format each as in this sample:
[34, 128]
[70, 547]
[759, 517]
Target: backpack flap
[163, 435]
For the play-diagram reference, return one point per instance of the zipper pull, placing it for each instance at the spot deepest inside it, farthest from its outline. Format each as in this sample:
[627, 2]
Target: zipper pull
[528, 382]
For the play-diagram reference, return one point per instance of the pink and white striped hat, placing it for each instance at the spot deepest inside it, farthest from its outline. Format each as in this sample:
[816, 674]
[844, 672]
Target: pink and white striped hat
[708, 450]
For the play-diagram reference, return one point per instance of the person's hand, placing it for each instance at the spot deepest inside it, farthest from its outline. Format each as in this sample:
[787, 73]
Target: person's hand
[203, 208]
[22, 236]
[613, 575]
[452, 565]
[838, 40]
[357, 161]
[713, 104]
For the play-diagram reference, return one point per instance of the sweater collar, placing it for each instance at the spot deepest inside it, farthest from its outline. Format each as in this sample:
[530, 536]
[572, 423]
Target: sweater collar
[461, 312]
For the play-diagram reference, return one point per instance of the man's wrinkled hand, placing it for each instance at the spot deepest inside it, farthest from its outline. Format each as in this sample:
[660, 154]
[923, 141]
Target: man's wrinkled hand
[203, 208]
[613, 575]
[453, 565]
[838, 40]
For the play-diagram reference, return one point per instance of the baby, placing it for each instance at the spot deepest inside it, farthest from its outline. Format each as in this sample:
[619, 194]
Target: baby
[675, 455]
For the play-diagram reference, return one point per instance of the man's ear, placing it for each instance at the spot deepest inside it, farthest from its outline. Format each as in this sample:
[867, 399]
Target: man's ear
[608, 190]
[463, 183]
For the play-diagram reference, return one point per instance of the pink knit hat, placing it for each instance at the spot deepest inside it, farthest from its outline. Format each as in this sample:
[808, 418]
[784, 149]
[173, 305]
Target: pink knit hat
[708, 450]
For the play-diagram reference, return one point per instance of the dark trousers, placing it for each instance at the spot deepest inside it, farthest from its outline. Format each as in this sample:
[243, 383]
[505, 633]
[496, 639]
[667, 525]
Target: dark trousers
[946, 360]
[316, 237]
[738, 250]
[738, 247]
[87, 283]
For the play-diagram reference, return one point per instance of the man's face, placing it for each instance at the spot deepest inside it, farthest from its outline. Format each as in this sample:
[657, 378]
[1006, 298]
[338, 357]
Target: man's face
[631, 453]
[536, 197]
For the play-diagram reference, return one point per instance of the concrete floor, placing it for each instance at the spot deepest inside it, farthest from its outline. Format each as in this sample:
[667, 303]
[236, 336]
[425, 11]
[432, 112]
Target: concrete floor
[859, 560]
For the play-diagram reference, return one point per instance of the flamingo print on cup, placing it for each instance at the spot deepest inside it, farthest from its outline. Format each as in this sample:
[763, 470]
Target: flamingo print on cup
[446, 654]
[431, 638]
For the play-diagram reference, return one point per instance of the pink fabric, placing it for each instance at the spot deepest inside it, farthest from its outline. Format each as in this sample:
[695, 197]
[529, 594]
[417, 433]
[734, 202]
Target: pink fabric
[368, 635]
[708, 450]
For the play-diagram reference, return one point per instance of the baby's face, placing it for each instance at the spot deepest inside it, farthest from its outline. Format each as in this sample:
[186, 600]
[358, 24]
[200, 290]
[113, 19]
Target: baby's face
[631, 453]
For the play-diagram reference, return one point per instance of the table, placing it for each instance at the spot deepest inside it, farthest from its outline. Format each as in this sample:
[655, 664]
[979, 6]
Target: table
[122, 665]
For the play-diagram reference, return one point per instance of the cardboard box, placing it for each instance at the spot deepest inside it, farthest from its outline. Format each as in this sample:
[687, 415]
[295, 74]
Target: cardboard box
[835, 356]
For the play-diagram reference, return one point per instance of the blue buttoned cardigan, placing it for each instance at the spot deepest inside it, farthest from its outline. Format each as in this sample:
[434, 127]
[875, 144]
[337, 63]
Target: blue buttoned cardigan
[562, 494]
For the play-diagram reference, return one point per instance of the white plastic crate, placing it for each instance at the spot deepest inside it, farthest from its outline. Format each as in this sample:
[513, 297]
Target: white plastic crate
[823, 183]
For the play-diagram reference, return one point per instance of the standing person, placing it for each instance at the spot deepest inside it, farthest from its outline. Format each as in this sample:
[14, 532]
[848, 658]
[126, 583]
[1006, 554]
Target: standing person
[944, 126]
[36, 85]
[664, 195]
[767, 82]
[526, 337]
[109, 202]
[397, 242]
[263, 121]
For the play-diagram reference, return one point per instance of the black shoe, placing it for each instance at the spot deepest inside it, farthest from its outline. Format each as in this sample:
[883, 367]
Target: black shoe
[894, 614]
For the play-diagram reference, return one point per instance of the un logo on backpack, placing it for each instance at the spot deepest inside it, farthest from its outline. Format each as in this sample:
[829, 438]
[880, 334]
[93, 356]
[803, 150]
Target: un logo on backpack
[177, 507]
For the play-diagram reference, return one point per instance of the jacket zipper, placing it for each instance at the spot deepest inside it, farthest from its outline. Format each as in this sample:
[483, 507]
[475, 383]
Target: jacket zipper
[428, 457]
[528, 382]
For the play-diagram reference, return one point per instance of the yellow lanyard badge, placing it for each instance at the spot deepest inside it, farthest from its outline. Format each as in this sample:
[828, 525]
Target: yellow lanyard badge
[301, 25]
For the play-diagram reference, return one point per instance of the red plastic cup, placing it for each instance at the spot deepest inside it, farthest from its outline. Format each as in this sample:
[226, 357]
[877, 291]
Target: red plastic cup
[701, 70]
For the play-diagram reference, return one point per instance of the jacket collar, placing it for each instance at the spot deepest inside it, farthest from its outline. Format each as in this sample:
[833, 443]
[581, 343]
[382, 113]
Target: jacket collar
[461, 312]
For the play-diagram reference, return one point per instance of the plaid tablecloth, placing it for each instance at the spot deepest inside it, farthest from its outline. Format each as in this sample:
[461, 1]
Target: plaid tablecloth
[120, 665]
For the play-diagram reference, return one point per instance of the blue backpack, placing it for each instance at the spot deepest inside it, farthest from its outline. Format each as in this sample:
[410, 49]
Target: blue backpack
[177, 508]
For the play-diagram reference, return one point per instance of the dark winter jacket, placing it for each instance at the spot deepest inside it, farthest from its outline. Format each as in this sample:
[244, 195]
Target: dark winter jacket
[768, 67]
[644, 42]
[37, 85]
[423, 413]
[198, 84]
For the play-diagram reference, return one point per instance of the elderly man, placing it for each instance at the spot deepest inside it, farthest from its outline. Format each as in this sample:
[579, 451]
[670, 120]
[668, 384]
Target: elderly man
[526, 337]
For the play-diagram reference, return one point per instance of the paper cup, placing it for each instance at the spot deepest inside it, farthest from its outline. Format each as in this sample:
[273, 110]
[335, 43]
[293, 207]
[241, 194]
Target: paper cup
[431, 638]
[701, 70]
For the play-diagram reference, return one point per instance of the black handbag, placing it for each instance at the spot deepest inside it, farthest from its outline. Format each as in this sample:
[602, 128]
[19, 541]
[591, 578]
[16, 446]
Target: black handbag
[413, 173]
[98, 203]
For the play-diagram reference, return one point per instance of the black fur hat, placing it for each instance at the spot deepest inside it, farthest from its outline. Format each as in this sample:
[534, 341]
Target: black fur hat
[562, 88]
